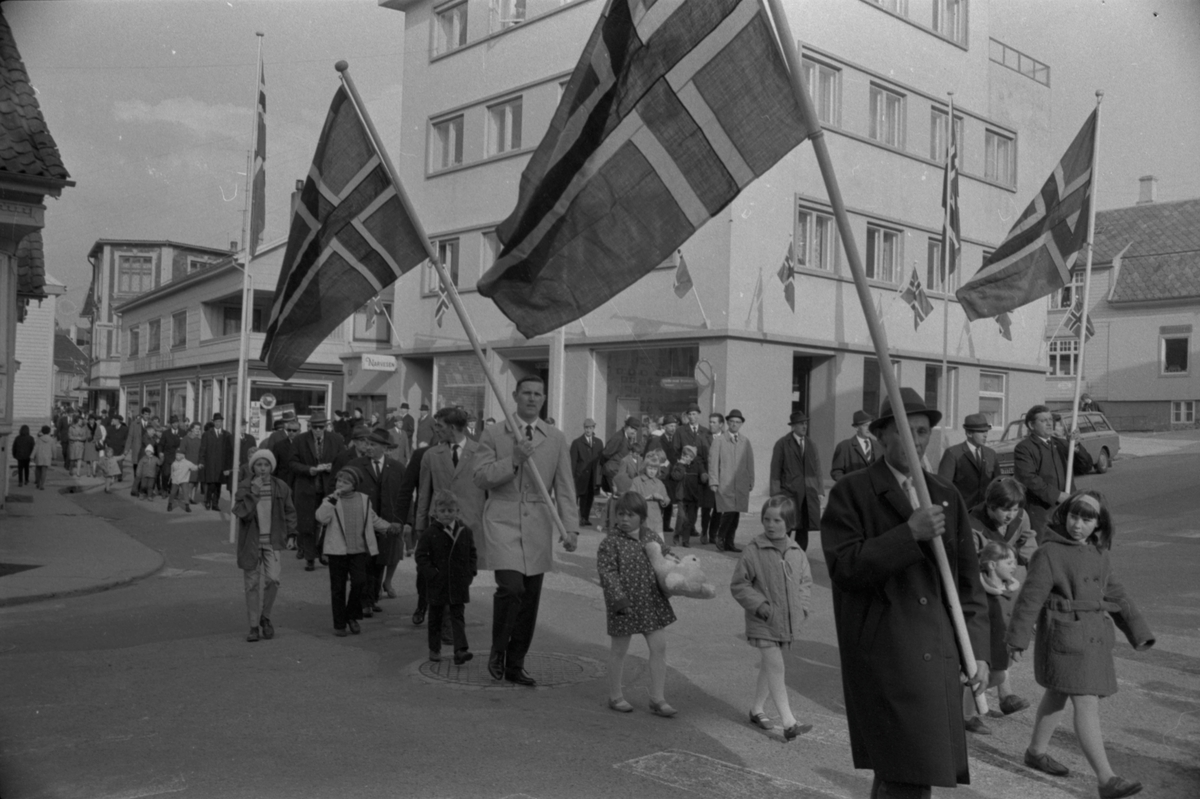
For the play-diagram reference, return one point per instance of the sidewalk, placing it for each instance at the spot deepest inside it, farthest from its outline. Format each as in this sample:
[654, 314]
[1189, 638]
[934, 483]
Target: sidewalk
[50, 547]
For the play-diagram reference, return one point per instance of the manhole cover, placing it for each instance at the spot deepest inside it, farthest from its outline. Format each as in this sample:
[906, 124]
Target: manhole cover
[550, 669]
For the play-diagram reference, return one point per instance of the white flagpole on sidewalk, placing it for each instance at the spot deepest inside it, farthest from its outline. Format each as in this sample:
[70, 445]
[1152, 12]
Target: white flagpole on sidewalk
[451, 291]
[1087, 288]
[947, 422]
[243, 391]
[878, 336]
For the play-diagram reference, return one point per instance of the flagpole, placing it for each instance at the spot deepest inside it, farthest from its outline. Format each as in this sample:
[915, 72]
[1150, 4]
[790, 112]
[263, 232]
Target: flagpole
[247, 312]
[1087, 288]
[451, 290]
[878, 337]
[947, 422]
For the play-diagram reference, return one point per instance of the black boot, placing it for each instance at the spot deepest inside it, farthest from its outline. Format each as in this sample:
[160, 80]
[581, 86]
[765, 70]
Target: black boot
[496, 665]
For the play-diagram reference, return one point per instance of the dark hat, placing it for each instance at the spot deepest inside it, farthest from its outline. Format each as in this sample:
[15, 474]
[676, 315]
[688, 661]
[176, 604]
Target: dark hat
[404, 406]
[424, 406]
[278, 423]
[339, 413]
[694, 407]
[173, 420]
[798, 417]
[289, 416]
[860, 417]
[589, 422]
[360, 430]
[976, 422]
[912, 404]
[634, 422]
[670, 418]
[217, 417]
[735, 414]
[318, 417]
[379, 436]
[145, 409]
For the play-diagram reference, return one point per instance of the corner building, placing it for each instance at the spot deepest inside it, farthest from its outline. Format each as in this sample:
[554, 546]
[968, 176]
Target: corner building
[482, 79]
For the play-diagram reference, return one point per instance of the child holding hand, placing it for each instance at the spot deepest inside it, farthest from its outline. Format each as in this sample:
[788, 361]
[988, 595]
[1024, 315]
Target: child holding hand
[691, 481]
[1069, 593]
[633, 600]
[446, 558]
[147, 469]
[998, 574]
[773, 582]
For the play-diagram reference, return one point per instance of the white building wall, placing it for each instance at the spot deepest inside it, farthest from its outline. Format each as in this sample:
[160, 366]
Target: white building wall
[33, 385]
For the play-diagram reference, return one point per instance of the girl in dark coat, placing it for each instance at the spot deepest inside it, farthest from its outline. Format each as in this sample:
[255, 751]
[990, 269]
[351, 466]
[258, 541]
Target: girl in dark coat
[1068, 591]
[447, 559]
[22, 450]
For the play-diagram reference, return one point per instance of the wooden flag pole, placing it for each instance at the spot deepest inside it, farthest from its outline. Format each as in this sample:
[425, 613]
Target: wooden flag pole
[451, 291]
[878, 337]
[1087, 288]
[243, 392]
[947, 422]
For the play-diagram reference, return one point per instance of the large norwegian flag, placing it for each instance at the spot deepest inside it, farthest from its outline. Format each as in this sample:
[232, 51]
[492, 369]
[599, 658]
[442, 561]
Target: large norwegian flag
[258, 186]
[673, 108]
[1037, 256]
[350, 238]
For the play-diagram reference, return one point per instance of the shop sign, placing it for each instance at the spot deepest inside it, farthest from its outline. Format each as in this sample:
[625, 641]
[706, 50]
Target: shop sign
[677, 383]
[378, 363]
[266, 401]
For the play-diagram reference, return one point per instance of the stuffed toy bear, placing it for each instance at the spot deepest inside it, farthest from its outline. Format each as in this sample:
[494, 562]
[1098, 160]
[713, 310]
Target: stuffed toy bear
[679, 576]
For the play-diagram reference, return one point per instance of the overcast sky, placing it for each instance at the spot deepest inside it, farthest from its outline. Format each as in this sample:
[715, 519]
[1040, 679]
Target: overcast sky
[150, 102]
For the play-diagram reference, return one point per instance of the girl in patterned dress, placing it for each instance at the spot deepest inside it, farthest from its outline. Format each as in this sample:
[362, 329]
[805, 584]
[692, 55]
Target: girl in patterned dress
[633, 600]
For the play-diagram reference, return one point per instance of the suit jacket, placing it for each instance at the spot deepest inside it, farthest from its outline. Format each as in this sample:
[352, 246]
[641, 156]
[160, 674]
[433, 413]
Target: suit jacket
[849, 457]
[900, 660]
[968, 475]
[383, 491]
[438, 473]
[731, 470]
[137, 443]
[798, 475]
[425, 431]
[401, 448]
[1041, 466]
[308, 489]
[585, 463]
[518, 526]
[216, 456]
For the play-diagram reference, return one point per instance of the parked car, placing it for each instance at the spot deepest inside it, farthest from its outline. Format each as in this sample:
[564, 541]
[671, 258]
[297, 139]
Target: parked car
[1095, 433]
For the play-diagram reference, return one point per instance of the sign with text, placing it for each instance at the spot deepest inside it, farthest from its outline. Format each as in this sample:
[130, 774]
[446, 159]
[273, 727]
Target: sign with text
[378, 363]
[677, 383]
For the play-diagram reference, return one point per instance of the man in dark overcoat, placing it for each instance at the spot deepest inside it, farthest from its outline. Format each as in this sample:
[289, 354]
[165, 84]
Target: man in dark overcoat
[381, 483]
[692, 432]
[585, 466]
[796, 472]
[216, 461]
[407, 509]
[313, 454]
[856, 452]
[1040, 464]
[900, 659]
[971, 466]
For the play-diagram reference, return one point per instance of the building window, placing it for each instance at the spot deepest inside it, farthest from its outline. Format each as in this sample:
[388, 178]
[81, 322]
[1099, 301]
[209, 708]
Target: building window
[153, 400]
[998, 158]
[448, 255]
[816, 241]
[934, 269]
[511, 12]
[154, 336]
[887, 117]
[1014, 59]
[179, 330]
[231, 317]
[371, 326]
[895, 6]
[1062, 299]
[177, 401]
[1183, 412]
[196, 264]
[873, 385]
[108, 343]
[883, 254]
[1175, 354]
[450, 28]
[938, 132]
[490, 252]
[991, 398]
[134, 336]
[447, 149]
[135, 274]
[825, 88]
[133, 402]
[950, 19]
[1064, 357]
[504, 126]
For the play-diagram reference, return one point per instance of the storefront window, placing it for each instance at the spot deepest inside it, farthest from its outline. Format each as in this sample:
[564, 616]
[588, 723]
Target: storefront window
[298, 398]
[153, 400]
[176, 401]
[461, 382]
[639, 374]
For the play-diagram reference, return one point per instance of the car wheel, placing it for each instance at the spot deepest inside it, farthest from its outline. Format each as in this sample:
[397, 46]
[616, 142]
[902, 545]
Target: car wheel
[1103, 462]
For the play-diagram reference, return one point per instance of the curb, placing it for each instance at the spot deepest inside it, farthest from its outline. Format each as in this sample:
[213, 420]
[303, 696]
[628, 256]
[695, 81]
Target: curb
[91, 589]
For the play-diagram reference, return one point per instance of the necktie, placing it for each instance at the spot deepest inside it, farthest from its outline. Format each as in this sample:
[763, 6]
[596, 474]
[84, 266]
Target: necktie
[454, 455]
[911, 490]
[693, 429]
[529, 432]
[378, 469]
[735, 435]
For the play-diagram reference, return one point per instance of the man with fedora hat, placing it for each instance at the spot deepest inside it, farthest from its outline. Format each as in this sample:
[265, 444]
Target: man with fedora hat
[216, 461]
[796, 472]
[425, 432]
[731, 478]
[381, 477]
[585, 467]
[971, 466]
[900, 658]
[312, 457]
[857, 452]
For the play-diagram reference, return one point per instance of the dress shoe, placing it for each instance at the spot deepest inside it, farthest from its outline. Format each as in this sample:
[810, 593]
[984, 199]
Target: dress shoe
[795, 731]
[762, 721]
[353, 625]
[519, 677]
[252, 636]
[391, 592]
[367, 612]
[1046, 764]
[309, 567]
[435, 656]
[375, 608]
[1118, 787]
[662, 709]
[1012, 703]
[496, 665]
[620, 705]
[462, 657]
[340, 632]
[976, 725]
[268, 631]
[418, 617]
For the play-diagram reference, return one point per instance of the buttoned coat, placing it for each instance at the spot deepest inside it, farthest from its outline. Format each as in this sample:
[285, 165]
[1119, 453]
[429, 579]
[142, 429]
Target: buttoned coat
[216, 456]
[333, 519]
[307, 489]
[1041, 466]
[382, 491]
[518, 526]
[848, 457]
[798, 474]
[731, 470]
[667, 447]
[245, 508]
[425, 433]
[137, 435]
[401, 448]
[899, 658]
[438, 473]
[585, 463]
[966, 473]
[448, 564]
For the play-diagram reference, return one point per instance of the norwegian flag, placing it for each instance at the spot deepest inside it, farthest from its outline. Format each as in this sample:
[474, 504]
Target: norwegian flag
[787, 276]
[1075, 317]
[443, 305]
[951, 243]
[683, 278]
[372, 310]
[914, 295]
[1005, 322]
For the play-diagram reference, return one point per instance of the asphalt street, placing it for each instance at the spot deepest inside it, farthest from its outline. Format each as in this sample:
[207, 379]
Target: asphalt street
[150, 689]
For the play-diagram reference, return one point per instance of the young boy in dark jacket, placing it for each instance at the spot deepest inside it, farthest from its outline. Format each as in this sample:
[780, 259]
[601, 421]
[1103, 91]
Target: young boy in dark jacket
[691, 481]
[446, 558]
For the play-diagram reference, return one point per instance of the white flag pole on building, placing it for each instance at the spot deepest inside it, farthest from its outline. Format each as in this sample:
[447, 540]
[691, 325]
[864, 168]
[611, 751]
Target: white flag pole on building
[249, 245]
[878, 336]
[1087, 287]
[451, 291]
[951, 147]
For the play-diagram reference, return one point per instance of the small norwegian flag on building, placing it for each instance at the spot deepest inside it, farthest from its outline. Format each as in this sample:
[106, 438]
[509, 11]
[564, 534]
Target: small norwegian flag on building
[914, 295]
[443, 305]
[683, 278]
[787, 276]
[1005, 322]
[1076, 316]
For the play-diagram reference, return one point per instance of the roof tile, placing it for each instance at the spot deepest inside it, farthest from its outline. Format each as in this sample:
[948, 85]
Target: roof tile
[1161, 243]
[26, 146]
